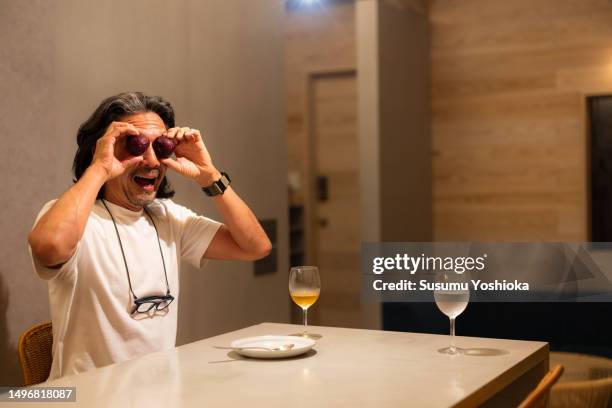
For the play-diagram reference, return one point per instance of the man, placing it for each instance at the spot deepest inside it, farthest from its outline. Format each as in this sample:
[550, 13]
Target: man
[111, 246]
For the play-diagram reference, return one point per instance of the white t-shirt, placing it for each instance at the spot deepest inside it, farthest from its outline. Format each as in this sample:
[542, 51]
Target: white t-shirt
[89, 295]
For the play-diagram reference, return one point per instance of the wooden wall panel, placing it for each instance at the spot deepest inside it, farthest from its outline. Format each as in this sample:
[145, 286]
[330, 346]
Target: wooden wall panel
[509, 81]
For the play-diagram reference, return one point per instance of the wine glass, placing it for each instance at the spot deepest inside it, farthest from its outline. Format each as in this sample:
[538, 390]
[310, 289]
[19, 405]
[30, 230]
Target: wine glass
[452, 298]
[304, 288]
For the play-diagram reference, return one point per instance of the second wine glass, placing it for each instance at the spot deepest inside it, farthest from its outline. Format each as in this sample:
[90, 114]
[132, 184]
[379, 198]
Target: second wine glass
[452, 298]
[304, 288]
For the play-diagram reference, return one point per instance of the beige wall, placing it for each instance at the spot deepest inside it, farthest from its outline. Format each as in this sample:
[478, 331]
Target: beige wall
[60, 58]
[394, 124]
[404, 121]
[509, 133]
[393, 46]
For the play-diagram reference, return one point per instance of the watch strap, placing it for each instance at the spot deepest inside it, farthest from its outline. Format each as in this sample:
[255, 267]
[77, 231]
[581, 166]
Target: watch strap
[218, 187]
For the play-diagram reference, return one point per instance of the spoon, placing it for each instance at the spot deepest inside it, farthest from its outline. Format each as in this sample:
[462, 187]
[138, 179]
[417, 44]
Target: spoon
[283, 347]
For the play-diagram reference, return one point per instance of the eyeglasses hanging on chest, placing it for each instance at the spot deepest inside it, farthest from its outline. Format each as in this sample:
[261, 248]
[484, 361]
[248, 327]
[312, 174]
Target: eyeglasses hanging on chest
[145, 304]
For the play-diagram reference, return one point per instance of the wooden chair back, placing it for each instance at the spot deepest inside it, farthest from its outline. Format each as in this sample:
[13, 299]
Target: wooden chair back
[35, 353]
[538, 398]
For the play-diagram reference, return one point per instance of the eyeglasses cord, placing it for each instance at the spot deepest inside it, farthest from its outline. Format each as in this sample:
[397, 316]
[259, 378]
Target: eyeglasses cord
[123, 252]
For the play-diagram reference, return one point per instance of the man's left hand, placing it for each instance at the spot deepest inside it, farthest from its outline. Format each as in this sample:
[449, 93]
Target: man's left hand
[192, 157]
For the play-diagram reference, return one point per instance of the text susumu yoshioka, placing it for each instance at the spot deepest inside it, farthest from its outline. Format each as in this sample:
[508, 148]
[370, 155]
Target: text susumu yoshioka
[472, 284]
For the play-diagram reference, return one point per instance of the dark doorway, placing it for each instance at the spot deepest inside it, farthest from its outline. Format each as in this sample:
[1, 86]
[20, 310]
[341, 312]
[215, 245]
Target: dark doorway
[600, 119]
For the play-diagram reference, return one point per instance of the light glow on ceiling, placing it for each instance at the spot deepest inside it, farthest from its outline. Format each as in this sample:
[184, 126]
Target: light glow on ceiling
[305, 3]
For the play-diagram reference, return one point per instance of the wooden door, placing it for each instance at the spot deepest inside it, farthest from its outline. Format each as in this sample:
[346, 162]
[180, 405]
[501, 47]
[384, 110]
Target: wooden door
[335, 204]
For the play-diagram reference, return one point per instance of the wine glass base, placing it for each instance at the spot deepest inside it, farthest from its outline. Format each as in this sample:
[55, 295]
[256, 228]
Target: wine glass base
[313, 336]
[450, 350]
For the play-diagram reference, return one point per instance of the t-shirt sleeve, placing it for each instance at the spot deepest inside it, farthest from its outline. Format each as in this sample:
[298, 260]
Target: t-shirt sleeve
[50, 273]
[197, 232]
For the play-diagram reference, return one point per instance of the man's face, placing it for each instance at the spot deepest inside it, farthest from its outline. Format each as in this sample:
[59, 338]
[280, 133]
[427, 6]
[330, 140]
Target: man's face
[137, 186]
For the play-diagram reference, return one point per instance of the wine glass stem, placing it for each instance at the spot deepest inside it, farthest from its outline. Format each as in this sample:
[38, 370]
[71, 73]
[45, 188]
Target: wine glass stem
[305, 321]
[452, 335]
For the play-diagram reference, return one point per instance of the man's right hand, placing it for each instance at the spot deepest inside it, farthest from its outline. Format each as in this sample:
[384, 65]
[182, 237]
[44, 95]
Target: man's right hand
[108, 156]
[55, 236]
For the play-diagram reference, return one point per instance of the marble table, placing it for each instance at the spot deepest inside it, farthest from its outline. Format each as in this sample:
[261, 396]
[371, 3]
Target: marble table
[346, 368]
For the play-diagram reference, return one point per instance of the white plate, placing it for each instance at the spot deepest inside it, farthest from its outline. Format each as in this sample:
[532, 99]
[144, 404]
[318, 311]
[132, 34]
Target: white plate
[300, 346]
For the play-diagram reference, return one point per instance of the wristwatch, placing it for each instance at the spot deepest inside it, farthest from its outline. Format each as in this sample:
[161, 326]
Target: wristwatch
[219, 186]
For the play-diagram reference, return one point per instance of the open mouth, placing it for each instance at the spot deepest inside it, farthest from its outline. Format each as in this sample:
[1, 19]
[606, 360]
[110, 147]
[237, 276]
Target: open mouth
[147, 183]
